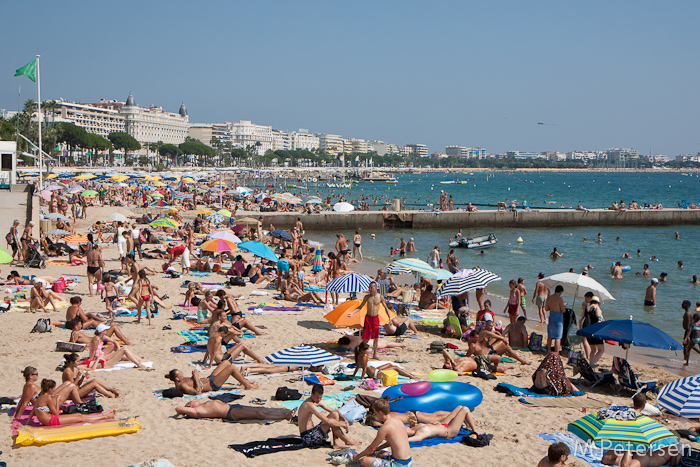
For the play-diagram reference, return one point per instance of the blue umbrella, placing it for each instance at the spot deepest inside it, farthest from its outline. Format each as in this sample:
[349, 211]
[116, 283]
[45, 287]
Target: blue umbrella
[681, 397]
[628, 331]
[259, 249]
[283, 234]
[347, 283]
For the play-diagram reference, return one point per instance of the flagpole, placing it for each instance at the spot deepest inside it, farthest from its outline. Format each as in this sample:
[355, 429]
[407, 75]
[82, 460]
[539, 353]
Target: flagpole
[38, 96]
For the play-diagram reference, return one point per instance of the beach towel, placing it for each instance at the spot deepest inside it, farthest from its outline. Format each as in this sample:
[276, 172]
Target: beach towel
[199, 335]
[313, 288]
[199, 274]
[185, 348]
[123, 312]
[334, 401]
[271, 445]
[586, 452]
[276, 308]
[308, 305]
[512, 390]
[227, 388]
[124, 366]
[435, 441]
[566, 402]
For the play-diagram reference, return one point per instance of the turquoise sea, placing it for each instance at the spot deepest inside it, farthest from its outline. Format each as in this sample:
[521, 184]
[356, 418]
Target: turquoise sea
[511, 260]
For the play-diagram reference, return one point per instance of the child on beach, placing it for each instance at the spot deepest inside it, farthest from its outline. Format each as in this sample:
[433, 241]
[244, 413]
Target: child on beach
[109, 294]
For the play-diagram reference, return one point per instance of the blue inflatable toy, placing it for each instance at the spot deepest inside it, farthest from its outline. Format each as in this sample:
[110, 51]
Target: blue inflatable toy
[439, 396]
[624, 268]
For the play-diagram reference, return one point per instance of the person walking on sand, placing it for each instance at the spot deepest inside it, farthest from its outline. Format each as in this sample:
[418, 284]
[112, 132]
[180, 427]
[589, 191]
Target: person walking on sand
[95, 263]
[555, 328]
[650, 295]
[370, 329]
[540, 297]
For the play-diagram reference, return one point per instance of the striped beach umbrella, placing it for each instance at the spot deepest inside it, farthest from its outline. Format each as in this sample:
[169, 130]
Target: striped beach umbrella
[467, 280]
[216, 218]
[394, 268]
[303, 356]
[642, 433]
[681, 397]
[318, 261]
[75, 238]
[159, 204]
[217, 245]
[165, 222]
[416, 265]
[347, 283]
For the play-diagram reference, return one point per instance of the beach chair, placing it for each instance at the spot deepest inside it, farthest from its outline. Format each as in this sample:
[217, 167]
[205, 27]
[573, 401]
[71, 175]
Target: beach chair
[383, 290]
[581, 366]
[627, 379]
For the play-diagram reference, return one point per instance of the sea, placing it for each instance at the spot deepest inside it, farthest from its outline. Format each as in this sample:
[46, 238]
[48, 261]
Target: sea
[511, 259]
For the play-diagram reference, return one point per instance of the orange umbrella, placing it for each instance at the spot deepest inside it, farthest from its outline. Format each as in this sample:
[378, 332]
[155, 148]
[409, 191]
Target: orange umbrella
[339, 316]
[75, 238]
[218, 244]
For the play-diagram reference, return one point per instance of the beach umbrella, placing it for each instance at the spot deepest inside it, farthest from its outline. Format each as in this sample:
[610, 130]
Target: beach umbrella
[339, 316]
[51, 176]
[54, 187]
[642, 433]
[318, 261]
[58, 232]
[396, 269]
[54, 216]
[283, 234]
[347, 283]
[75, 238]
[187, 180]
[170, 210]
[259, 249]
[681, 397]
[224, 212]
[5, 257]
[159, 204]
[225, 235]
[247, 220]
[88, 193]
[630, 332]
[204, 212]
[280, 198]
[467, 280]
[243, 190]
[117, 217]
[303, 356]
[417, 265]
[218, 245]
[343, 207]
[216, 218]
[156, 195]
[84, 177]
[314, 201]
[577, 285]
[46, 195]
[165, 222]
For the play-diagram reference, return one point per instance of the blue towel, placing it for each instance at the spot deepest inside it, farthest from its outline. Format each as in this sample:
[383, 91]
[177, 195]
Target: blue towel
[309, 305]
[524, 392]
[577, 446]
[334, 401]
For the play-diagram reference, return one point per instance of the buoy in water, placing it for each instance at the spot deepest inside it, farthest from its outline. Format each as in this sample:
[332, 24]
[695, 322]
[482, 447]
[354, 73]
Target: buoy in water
[520, 240]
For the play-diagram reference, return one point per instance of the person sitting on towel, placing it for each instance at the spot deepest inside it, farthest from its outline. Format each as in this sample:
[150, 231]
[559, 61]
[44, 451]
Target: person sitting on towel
[550, 379]
[317, 435]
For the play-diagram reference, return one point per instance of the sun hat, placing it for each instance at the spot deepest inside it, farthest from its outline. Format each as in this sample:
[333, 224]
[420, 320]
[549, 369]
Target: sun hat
[595, 299]
[101, 328]
[488, 317]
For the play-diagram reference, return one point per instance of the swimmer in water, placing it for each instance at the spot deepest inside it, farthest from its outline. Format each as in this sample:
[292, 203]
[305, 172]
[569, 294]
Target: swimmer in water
[653, 258]
[481, 253]
[585, 239]
[626, 255]
[555, 254]
[639, 252]
[680, 264]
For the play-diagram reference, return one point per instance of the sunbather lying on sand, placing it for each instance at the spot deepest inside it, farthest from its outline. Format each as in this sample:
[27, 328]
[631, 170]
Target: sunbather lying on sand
[196, 385]
[372, 369]
[233, 412]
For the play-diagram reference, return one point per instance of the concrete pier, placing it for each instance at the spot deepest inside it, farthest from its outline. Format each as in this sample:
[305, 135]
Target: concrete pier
[328, 220]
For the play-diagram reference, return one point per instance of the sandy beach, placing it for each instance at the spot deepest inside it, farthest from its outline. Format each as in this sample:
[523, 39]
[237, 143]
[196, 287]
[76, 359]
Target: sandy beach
[188, 442]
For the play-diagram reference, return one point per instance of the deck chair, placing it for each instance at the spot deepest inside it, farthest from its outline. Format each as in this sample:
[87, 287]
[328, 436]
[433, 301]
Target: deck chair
[383, 290]
[454, 321]
[627, 379]
[581, 366]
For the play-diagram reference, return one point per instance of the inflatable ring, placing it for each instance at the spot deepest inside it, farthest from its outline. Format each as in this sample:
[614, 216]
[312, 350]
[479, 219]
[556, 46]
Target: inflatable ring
[441, 396]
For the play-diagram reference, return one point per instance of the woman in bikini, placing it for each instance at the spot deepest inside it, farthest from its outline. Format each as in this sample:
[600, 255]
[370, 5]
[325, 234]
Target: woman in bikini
[47, 408]
[73, 374]
[143, 285]
[191, 299]
[105, 352]
[109, 294]
[372, 369]
[446, 428]
[692, 339]
[237, 319]
[256, 276]
[196, 385]
[31, 391]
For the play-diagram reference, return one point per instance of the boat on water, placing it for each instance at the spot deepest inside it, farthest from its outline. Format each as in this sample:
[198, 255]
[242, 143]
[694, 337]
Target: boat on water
[482, 241]
[392, 181]
[379, 177]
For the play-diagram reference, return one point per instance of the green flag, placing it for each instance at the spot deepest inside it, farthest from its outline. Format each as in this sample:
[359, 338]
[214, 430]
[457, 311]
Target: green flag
[28, 70]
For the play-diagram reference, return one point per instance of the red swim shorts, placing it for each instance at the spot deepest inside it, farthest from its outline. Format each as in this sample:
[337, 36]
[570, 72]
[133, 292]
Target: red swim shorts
[513, 309]
[371, 329]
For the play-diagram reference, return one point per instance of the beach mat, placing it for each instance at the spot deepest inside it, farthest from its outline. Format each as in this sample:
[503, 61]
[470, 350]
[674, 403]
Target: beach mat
[227, 388]
[124, 366]
[512, 390]
[435, 441]
[334, 401]
[201, 335]
[565, 402]
[272, 445]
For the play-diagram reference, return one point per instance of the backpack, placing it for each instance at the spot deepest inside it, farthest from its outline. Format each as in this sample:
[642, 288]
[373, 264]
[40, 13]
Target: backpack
[236, 280]
[42, 325]
[59, 286]
[9, 238]
[437, 346]
[535, 344]
[285, 394]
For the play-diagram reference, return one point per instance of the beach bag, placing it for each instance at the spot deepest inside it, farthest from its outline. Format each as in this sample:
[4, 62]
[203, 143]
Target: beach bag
[476, 440]
[285, 394]
[8, 238]
[237, 280]
[369, 385]
[437, 346]
[535, 343]
[84, 408]
[42, 325]
[59, 286]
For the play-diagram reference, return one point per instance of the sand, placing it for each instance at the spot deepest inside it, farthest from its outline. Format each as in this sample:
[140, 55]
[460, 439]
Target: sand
[204, 442]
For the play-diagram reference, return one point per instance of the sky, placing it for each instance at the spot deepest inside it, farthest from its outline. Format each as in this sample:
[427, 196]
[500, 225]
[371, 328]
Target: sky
[599, 74]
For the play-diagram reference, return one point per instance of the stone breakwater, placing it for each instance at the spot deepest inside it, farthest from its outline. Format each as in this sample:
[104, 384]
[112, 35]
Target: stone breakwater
[328, 220]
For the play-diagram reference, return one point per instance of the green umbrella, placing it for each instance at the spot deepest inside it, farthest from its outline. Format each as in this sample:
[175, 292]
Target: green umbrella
[224, 212]
[5, 258]
[610, 433]
[89, 193]
[155, 195]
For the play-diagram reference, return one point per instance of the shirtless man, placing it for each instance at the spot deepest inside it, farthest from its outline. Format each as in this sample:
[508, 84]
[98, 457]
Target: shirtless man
[95, 263]
[656, 458]
[196, 385]
[617, 271]
[517, 333]
[523, 293]
[215, 354]
[493, 343]
[650, 296]
[341, 246]
[350, 342]
[74, 310]
[396, 328]
[555, 329]
[317, 435]
[76, 325]
[199, 408]
[477, 354]
[540, 296]
[370, 329]
[557, 455]
[393, 433]
[39, 297]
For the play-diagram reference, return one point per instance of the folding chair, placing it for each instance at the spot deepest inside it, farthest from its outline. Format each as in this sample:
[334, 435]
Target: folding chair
[581, 366]
[627, 379]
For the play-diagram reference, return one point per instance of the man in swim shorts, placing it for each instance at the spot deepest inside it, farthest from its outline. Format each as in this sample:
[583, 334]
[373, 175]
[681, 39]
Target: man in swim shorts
[317, 435]
[540, 296]
[555, 329]
[650, 296]
[393, 433]
[199, 408]
[396, 328]
[523, 293]
[370, 329]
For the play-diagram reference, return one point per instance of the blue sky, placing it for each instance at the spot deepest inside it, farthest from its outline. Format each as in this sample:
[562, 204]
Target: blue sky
[601, 74]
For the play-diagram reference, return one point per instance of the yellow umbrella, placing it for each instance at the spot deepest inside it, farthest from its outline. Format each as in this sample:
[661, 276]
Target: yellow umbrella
[160, 184]
[339, 316]
[51, 176]
[220, 182]
[188, 179]
[171, 210]
[205, 212]
[152, 177]
[246, 220]
[84, 177]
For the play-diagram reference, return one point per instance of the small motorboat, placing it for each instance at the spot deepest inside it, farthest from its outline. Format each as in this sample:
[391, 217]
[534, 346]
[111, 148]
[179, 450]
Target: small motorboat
[483, 241]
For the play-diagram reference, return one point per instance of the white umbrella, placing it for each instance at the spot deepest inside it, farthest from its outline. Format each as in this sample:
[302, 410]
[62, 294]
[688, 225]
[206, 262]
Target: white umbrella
[117, 217]
[225, 235]
[343, 207]
[54, 215]
[577, 285]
